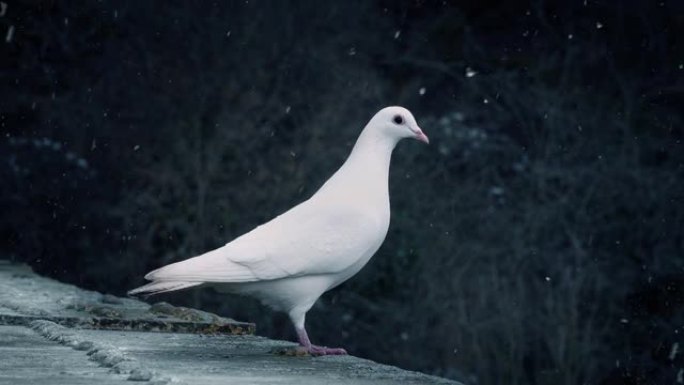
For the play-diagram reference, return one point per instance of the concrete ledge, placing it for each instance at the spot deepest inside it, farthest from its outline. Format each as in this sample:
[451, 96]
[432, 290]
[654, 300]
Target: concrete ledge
[26, 297]
[59, 334]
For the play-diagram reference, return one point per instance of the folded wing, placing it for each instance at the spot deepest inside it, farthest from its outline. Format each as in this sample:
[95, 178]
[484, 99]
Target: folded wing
[308, 239]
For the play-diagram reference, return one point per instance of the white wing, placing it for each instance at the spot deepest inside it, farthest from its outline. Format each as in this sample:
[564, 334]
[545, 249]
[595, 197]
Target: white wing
[311, 238]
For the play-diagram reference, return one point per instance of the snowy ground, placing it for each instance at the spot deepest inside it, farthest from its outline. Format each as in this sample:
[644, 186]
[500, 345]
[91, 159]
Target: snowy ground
[59, 334]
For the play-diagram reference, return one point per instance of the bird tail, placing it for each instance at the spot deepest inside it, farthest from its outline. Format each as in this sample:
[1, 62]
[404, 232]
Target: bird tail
[162, 287]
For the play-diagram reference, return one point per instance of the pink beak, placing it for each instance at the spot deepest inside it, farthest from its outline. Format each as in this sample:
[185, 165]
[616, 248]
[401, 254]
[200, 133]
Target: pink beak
[421, 136]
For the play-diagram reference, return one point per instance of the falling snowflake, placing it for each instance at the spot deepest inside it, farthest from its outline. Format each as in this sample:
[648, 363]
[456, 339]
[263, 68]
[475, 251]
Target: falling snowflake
[496, 190]
[421, 91]
[10, 34]
[673, 351]
[469, 72]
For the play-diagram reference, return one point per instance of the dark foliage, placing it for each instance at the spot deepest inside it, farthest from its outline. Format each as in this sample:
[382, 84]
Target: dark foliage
[538, 240]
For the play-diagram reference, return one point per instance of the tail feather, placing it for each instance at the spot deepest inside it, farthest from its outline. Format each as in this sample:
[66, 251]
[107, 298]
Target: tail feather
[162, 287]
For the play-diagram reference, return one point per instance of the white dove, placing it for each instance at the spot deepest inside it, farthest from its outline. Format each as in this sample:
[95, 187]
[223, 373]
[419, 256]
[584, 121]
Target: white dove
[290, 261]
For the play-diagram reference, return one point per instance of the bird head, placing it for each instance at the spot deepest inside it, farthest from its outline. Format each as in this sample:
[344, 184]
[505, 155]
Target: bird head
[398, 123]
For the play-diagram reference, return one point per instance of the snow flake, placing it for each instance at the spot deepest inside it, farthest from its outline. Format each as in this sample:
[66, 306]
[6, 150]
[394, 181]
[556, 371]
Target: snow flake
[497, 191]
[673, 351]
[10, 34]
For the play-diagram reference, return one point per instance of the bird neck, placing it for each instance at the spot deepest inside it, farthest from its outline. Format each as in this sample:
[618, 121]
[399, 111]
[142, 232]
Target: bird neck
[364, 176]
[366, 171]
[371, 154]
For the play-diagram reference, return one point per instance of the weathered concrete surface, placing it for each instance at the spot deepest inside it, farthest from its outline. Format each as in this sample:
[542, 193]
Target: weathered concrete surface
[28, 358]
[26, 297]
[39, 350]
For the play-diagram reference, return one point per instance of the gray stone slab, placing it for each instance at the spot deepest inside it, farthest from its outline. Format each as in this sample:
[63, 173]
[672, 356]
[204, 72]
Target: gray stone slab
[53, 333]
[219, 359]
[26, 358]
[26, 296]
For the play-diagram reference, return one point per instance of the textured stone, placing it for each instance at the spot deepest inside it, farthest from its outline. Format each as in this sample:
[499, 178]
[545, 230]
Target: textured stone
[52, 333]
[27, 297]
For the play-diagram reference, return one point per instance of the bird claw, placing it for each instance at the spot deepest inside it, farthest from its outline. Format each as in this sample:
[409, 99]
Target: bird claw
[315, 350]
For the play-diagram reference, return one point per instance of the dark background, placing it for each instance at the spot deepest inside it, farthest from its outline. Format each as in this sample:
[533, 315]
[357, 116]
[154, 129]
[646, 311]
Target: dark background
[537, 240]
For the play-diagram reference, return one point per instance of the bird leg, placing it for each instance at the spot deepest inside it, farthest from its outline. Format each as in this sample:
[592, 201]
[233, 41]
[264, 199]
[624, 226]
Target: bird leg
[316, 350]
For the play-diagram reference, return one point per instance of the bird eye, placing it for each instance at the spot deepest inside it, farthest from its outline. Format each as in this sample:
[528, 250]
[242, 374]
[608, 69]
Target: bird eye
[398, 119]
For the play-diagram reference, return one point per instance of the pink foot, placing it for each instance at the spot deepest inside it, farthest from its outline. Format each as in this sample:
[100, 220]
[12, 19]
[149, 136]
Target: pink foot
[306, 346]
[316, 350]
